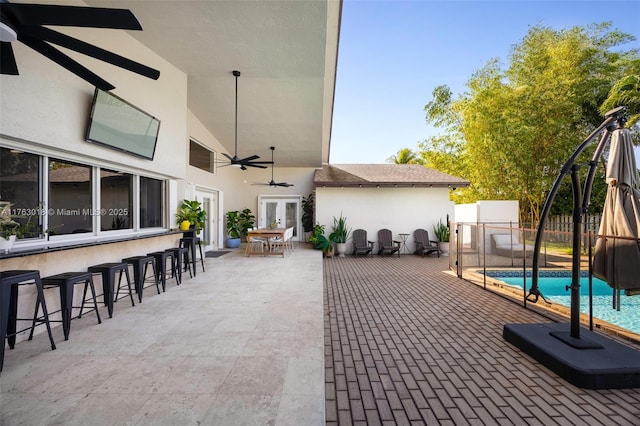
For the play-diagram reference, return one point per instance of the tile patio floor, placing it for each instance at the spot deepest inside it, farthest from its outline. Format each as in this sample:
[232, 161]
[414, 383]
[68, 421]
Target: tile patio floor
[241, 344]
[405, 342]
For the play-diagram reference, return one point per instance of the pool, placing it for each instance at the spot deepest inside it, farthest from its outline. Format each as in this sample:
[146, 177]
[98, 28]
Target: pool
[553, 285]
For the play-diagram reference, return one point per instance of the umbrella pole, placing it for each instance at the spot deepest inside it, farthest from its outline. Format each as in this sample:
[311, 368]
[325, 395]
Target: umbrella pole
[577, 248]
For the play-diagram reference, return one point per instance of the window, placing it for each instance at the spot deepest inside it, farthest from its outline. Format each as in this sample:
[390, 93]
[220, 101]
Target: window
[19, 186]
[67, 198]
[116, 204]
[201, 157]
[70, 201]
[151, 202]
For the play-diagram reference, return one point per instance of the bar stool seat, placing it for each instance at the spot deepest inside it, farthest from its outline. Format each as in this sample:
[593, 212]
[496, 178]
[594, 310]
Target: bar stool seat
[66, 281]
[179, 256]
[140, 267]
[161, 258]
[108, 272]
[9, 282]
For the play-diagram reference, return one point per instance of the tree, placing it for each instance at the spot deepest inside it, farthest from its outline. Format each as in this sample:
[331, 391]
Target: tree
[512, 131]
[404, 156]
[626, 91]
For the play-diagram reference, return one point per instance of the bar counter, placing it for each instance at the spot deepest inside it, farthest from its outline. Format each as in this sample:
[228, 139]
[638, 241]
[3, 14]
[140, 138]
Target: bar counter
[58, 257]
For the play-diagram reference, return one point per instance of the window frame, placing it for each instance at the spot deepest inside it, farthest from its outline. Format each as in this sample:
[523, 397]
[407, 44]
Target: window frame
[96, 234]
[213, 157]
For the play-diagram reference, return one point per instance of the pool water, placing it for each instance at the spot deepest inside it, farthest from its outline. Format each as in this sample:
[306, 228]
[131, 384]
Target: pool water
[553, 286]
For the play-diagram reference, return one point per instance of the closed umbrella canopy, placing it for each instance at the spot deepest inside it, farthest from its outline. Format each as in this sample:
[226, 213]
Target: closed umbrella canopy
[617, 260]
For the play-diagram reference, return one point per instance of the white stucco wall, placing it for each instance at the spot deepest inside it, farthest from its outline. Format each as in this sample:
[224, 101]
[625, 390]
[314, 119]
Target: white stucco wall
[49, 107]
[402, 210]
[496, 215]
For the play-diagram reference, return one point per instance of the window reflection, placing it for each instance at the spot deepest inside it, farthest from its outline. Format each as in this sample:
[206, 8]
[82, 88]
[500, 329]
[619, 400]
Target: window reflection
[151, 201]
[69, 198]
[19, 180]
[116, 205]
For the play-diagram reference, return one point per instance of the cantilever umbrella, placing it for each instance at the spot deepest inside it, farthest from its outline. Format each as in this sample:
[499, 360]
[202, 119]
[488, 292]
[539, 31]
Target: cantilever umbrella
[617, 260]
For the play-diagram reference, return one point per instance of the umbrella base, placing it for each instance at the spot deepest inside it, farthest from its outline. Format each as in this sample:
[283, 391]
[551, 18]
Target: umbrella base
[602, 364]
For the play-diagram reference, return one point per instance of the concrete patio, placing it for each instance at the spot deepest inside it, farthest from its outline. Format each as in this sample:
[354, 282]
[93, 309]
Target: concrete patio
[405, 342]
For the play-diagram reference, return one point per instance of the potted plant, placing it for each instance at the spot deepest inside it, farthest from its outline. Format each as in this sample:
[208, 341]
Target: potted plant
[247, 221]
[308, 205]
[340, 234]
[317, 231]
[233, 229]
[8, 227]
[190, 214]
[441, 231]
[325, 245]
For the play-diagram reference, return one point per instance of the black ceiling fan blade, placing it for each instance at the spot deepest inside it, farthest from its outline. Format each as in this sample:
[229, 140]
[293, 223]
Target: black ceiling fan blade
[259, 166]
[228, 156]
[257, 162]
[63, 60]
[7, 59]
[71, 16]
[285, 184]
[85, 48]
[250, 158]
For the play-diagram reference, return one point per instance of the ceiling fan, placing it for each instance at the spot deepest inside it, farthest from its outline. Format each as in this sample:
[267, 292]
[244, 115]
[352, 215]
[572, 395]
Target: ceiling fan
[24, 22]
[235, 161]
[273, 183]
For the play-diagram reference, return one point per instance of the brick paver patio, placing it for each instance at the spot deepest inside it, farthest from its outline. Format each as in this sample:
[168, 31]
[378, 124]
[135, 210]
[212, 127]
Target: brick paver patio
[408, 343]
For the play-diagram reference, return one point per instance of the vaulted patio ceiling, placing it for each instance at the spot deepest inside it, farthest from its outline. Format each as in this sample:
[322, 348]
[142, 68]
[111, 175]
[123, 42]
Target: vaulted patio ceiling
[286, 51]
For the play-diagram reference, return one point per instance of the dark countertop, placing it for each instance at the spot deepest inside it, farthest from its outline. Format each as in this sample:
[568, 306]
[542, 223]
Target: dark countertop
[53, 246]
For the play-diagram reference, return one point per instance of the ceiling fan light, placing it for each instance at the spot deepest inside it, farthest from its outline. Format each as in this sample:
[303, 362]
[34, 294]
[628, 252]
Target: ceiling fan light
[7, 34]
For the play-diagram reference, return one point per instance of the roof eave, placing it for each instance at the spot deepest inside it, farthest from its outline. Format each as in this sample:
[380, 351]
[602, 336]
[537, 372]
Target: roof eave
[451, 185]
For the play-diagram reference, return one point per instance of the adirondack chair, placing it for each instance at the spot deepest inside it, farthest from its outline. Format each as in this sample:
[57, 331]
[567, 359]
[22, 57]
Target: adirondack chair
[360, 243]
[386, 243]
[423, 244]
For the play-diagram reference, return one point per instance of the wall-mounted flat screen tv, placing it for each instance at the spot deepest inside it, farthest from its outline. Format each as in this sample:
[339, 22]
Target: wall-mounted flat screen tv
[117, 124]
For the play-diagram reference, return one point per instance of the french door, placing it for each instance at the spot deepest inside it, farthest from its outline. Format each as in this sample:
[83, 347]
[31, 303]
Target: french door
[208, 235]
[281, 212]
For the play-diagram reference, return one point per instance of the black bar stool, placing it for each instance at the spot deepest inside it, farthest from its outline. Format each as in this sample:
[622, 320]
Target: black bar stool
[66, 281]
[191, 243]
[140, 266]
[180, 255]
[161, 258]
[9, 282]
[108, 271]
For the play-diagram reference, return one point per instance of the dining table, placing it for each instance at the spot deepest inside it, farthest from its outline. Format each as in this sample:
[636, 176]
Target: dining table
[268, 234]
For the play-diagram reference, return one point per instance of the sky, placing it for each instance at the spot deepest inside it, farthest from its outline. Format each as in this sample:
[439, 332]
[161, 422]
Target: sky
[393, 53]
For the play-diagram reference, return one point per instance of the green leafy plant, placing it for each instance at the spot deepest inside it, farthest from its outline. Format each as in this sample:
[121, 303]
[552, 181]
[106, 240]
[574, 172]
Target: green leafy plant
[308, 205]
[233, 224]
[8, 226]
[340, 232]
[316, 233]
[191, 210]
[22, 226]
[441, 232]
[324, 244]
[246, 221]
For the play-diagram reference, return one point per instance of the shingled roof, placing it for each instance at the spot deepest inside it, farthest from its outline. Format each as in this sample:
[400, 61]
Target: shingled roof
[384, 175]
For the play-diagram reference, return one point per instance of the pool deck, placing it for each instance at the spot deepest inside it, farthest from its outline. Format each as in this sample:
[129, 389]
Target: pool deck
[407, 342]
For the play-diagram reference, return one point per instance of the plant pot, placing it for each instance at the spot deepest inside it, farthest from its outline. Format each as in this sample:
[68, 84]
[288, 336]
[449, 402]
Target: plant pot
[341, 249]
[233, 242]
[7, 244]
[444, 248]
[184, 225]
